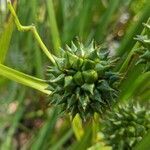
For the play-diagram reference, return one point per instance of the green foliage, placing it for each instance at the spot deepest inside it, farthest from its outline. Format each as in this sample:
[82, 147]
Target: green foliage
[26, 120]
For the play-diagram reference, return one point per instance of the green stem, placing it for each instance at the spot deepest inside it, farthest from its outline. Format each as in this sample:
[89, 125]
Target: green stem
[33, 29]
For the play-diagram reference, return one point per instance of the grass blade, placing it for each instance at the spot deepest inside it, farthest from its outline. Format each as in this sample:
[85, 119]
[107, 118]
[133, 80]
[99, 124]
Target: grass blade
[24, 79]
[105, 20]
[140, 81]
[58, 145]
[53, 26]
[5, 38]
[45, 132]
[85, 18]
[8, 140]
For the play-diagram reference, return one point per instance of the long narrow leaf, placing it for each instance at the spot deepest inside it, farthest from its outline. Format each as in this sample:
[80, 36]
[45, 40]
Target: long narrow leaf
[105, 19]
[60, 142]
[45, 132]
[85, 18]
[8, 140]
[142, 80]
[53, 26]
[24, 79]
[5, 38]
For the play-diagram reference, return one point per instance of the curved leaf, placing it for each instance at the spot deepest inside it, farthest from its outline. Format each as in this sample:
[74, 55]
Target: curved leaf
[24, 79]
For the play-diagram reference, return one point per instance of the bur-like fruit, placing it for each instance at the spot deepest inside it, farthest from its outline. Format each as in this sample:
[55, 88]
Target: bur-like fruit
[144, 50]
[83, 81]
[126, 125]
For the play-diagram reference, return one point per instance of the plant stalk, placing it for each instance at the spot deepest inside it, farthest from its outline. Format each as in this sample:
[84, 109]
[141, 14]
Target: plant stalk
[33, 29]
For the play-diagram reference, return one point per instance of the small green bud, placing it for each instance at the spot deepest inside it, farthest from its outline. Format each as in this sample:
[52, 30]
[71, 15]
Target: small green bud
[78, 78]
[90, 76]
[68, 81]
[88, 64]
[71, 59]
[77, 64]
[88, 87]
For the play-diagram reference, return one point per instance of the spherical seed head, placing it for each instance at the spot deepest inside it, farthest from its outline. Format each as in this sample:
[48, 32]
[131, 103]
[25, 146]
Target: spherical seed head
[126, 126]
[83, 81]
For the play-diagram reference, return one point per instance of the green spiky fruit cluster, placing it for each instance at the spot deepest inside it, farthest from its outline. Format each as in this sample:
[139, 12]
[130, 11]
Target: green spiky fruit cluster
[144, 50]
[126, 126]
[83, 81]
